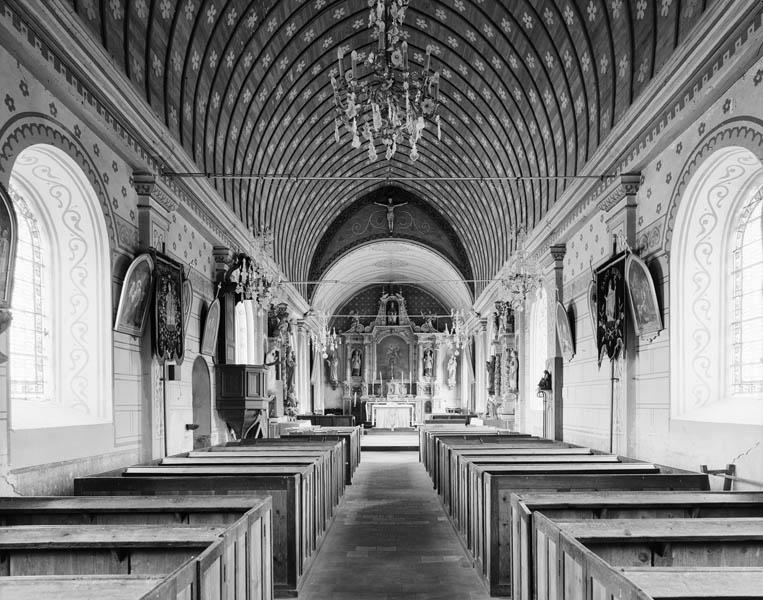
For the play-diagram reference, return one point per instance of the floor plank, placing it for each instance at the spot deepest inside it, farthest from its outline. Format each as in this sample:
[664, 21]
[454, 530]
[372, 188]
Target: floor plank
[391, 540]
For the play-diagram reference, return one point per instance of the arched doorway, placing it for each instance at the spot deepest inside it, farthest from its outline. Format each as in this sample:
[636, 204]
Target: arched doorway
[201, 392]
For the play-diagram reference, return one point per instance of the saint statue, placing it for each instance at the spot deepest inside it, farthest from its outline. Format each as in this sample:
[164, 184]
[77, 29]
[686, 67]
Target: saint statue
[428, 362]
[390, 212]
[392, 313]
[333, 361]
[452, 371]
[513, 371]
[355, 363]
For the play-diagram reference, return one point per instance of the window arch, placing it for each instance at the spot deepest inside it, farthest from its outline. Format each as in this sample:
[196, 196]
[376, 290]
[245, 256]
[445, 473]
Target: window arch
[715, 291]
[62, 296]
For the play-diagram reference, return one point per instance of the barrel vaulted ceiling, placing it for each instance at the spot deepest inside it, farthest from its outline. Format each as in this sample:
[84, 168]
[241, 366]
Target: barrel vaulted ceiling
[529, 88]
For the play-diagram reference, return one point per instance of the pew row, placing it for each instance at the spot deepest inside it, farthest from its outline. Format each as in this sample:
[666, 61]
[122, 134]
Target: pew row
[612, 505]
[245, 547]
[85, 587]
[288, 487]
[577, 560]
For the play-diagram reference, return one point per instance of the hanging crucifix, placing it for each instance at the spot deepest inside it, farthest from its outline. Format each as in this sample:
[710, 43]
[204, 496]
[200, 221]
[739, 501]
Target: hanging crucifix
[390, 212]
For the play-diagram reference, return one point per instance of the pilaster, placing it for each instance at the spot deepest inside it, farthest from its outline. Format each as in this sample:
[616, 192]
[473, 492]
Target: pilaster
[156, 203]
[481, 352]
[619, 206]
[555, 410]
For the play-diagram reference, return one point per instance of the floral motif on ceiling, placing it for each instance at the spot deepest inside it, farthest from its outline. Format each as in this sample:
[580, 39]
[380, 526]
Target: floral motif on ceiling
[529, 88]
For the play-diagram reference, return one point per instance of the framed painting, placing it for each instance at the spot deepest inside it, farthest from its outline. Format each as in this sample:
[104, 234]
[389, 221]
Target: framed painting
[211, 325]
[647, 320]
[610, 309]
[135, 296]
[168, 310]
[591, 298]
[8, 234]
[564, 332]
[187, 303]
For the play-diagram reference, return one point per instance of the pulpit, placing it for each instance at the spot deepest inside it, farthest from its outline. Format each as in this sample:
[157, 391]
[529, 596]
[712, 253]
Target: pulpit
[242, 397]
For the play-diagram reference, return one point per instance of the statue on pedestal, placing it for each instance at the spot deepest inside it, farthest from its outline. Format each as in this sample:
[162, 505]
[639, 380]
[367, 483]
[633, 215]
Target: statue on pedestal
[452, 371]
[356, 362]
[428, 362]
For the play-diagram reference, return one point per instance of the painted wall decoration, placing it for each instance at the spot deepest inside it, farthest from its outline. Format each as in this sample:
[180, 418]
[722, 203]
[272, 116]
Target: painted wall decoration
[211, 326]
[168, 310]
[564, 332]
[610, 309]
[135, 296]
[8, 234]
[647, 320]
[187, 302]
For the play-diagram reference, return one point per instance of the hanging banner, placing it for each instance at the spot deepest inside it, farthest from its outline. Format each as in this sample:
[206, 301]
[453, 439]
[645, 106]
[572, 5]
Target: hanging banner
[610, 309]
[168, 310]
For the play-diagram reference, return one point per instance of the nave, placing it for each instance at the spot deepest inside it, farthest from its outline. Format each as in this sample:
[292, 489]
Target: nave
[391, 539]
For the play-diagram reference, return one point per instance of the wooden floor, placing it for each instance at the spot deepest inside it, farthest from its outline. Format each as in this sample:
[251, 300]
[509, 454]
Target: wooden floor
[391, 540]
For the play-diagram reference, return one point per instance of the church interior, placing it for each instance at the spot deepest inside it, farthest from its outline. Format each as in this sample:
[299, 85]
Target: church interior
[379, 299]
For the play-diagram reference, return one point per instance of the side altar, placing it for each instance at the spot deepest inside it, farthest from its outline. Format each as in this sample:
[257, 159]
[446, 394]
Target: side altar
[391, 361]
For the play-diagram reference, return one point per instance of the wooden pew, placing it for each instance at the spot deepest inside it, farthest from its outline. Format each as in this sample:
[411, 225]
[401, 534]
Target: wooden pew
[325, 487]
[84, 587]
[329, 420]
[425, 432]
[113, 550]
[492, 486]
[459, 498]
[249, 541]
[345, 441]
[283, 484]
[350, 435]
[612, 505]
[672, 583]
[576, 558]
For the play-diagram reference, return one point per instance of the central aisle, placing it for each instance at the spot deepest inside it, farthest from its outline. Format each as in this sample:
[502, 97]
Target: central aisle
[391, 540]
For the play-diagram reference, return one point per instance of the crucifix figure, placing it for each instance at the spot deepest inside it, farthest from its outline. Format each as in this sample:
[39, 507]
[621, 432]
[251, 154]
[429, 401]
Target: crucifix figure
[390, 212]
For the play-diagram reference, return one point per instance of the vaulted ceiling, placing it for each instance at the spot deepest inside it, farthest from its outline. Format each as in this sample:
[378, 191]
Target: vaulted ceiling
[529, 88]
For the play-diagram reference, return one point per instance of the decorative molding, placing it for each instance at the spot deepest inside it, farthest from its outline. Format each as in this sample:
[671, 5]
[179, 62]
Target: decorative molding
[148, 186]
[28, 129]
[746, 132]
[616, 190]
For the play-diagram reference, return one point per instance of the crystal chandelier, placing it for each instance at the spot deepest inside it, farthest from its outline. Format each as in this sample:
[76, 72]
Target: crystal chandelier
[523, 276]
[257, 279]
[391, 103]
[326, 341]
[457, 337]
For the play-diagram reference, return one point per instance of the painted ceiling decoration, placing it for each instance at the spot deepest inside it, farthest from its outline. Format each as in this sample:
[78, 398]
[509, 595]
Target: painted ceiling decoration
[529, 88]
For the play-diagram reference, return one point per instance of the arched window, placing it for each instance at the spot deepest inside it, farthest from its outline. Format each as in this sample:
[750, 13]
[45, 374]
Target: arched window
[537, 347]
[746, 314]
[716, 298]
[60, 337]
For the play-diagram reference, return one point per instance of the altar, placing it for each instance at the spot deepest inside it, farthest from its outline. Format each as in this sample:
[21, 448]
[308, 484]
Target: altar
[391, 415]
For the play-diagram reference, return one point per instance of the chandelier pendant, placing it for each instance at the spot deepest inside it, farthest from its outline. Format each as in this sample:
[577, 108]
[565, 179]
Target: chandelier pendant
[523, 276]
[391, 103]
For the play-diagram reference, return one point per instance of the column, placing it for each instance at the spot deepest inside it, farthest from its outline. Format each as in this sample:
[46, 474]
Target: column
[552, 273]
[481, 354]
[619, 206]
[155, 206]
[320, 378]
[302, 370]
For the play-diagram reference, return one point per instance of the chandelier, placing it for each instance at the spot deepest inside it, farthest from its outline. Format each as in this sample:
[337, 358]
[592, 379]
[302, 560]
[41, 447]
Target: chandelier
[457, 337]
[523, 276]
[255, 276]
[326, 341]
[391, 103]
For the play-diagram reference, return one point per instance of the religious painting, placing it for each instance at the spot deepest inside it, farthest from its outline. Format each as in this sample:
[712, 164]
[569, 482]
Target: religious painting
[564, 332]
[211, 325]
[135, 296]
[643, 297]
[591, 298]
[187, 303]
[8, 233]
[428, 362]
[610, 309]
[168, 310]
[356, 363]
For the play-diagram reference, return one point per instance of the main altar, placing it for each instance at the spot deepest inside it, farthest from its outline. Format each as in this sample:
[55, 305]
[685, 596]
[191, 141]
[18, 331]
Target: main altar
[392, 368]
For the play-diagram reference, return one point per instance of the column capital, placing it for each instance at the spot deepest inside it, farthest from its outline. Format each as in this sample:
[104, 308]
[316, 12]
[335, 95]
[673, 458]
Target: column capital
[154, 193]
[557, 252]
[621, 189]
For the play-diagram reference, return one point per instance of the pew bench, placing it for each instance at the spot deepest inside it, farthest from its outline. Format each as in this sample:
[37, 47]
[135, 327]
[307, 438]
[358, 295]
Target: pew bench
[673, 583]
[576, 559]
[612, 505]
[493, 485]
[349, 435]
[83, 587]
[283, 484]
[247, 522]
[425, 432]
